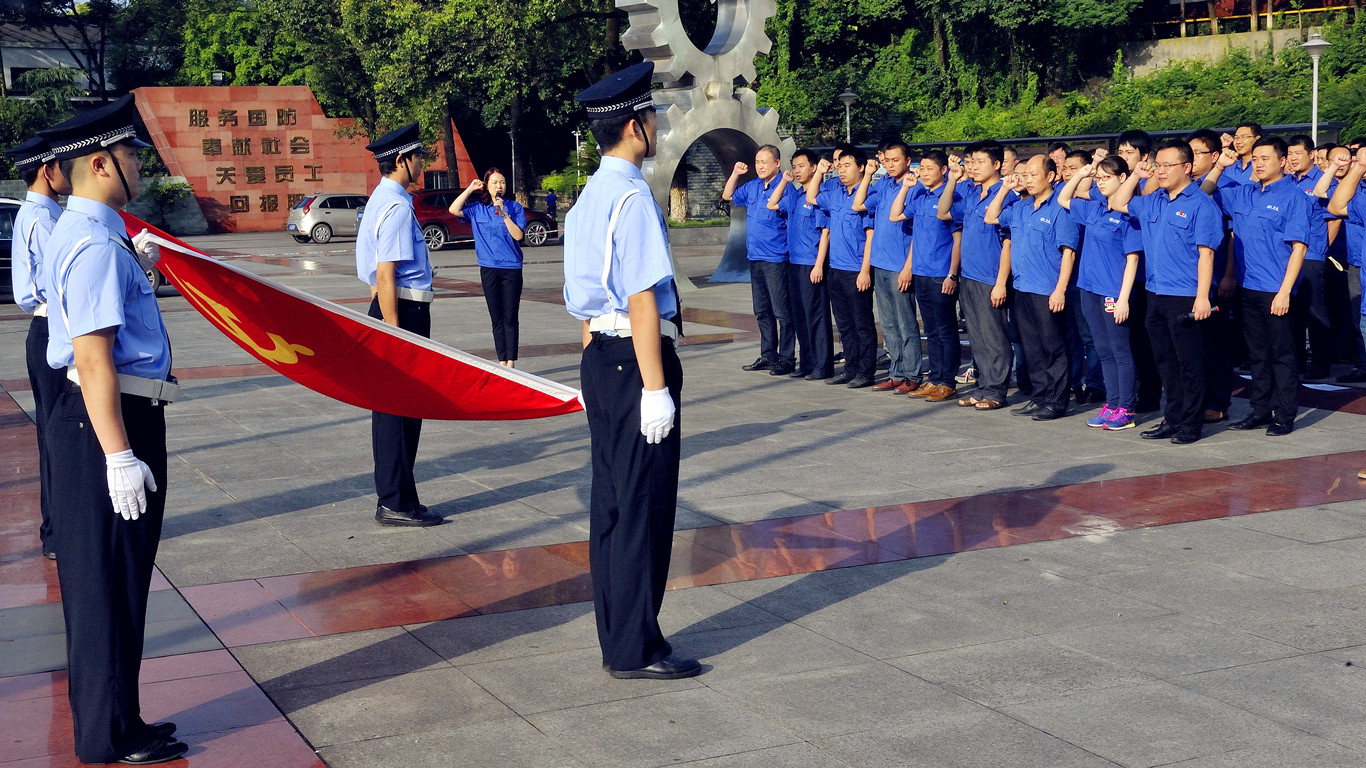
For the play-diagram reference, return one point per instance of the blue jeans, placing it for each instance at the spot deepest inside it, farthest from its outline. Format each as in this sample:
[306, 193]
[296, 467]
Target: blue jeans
[1112, 346]
[1082, 347]
[773, 309]
[938, 312]
[901, 332]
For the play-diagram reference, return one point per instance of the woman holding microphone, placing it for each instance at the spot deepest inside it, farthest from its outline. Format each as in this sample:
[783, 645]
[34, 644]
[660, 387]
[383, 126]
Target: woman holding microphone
[497, 225]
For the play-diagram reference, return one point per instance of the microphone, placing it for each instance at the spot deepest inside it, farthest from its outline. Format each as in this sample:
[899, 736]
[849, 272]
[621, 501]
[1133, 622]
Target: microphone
[1190, 316]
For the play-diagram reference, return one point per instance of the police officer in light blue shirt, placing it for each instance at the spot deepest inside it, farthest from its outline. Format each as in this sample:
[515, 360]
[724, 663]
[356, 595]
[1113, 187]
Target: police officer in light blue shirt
[619, 282]
[109, 445]
[391, 258]
[32, 227]
[766, 248]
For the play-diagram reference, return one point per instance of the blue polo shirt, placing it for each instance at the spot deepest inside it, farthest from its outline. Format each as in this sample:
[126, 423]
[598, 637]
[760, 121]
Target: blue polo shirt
[765, 230]
[891, 239]
[1236, 174]
[1037, 237]
[1173, 229]
[846, 226]
[931, 238]
[1110, 237]
[493, 244]
[980, 251]
[804, 224]
[1318, 215]
[1355, 227]
[1268, 220]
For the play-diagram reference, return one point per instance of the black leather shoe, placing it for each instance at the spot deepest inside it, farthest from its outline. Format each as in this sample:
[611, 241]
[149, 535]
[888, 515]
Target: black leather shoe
[1185, 437]
[1049, 413]
[813, 376]
[417, 517]
[162, 730]
[1026, 409]
[884, 362]
[781, 370]
[1280, 428]
[161, 750]
[758, 365]
[859, 382]
[1160, 432]
[799, 375]
[839, 378]
[667, 668]
[1251, 422]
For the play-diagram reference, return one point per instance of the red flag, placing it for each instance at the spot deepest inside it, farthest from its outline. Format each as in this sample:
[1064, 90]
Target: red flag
[349, 356]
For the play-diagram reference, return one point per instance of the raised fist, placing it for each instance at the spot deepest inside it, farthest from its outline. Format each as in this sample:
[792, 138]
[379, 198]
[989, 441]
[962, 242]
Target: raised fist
[1098, 155]
[1087, 171]
[1146, 169]
[909, 180]
[476, 185]
[1226, 139]
[1227, 157]
[740, 169]
[870, 168]
[787, 177]
[823, 167]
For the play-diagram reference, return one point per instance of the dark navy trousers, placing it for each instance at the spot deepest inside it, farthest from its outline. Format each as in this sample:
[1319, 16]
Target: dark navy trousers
[394, 438]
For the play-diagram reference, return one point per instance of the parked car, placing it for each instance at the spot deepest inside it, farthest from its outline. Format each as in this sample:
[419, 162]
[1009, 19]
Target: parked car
[322, 216]
[441, 229]
[9, 208]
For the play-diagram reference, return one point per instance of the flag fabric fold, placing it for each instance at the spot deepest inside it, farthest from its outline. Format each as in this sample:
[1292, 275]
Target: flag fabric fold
[349, 356]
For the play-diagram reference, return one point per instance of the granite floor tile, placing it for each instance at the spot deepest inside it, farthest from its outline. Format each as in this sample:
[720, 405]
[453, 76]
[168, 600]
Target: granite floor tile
[509, 741]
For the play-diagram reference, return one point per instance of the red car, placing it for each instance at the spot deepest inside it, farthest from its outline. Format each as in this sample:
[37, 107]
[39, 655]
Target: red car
[440, 228]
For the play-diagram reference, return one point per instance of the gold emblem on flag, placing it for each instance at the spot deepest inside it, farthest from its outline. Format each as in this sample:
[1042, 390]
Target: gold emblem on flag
[284, 352]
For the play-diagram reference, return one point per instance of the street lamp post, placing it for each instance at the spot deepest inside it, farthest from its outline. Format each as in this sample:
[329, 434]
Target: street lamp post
[578, 159]
[512, 137]
[848, 97]
[1315, 46]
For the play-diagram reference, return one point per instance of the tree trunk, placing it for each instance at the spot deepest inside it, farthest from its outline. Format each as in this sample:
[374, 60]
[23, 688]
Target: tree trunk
[519, 166]
[941, 52]
[453, 180]
[1183, 18]
[1254, 15]
[1213, 17]
[613, 27]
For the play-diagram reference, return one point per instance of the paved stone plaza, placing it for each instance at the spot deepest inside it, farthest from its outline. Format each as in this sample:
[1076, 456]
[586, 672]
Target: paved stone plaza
[871, 581]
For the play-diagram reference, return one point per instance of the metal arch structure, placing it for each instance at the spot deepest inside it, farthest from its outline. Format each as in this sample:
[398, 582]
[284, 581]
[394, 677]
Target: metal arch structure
[710, 109]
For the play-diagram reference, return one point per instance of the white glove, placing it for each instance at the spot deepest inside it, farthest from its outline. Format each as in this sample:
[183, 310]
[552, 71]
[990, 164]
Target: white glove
[128, 477]
[149, 253]
[656, 414]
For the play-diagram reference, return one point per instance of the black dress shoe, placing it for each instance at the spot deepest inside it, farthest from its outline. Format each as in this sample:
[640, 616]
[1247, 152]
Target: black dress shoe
[1185, 436]
[762, 364]
[1049, 413]
[813, 376]
[162, 730]
[1026, 409]
[859, 382]
[1251, 422]
[1160, 432]
[667, 668]
[1280, 428]
[799, 374]
[161, 750]
[884, 362]
[781, 370]
[417, 517]
[839, 378]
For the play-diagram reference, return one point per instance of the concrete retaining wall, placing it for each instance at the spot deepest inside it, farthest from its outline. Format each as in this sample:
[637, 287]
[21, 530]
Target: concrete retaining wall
[698, 235]
[1145, 57]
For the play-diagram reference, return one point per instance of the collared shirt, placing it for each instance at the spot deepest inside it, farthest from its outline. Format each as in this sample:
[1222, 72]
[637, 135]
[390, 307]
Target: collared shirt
[1238, 173]
[640, 246]
[1268, 220]
[765, 230]
[804, 224]
[32, 227]
[980, 251]
[1037, 236]
[389, 232]
[847, 227]
[1318, 215]
[95, 282]
[1173, 231]
[891, 239]
[493, 243]
[1355, 227]
[1110, 237]
[931, 237]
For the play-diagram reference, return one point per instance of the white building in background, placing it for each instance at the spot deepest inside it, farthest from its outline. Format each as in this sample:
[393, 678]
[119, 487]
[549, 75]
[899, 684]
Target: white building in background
[25, 48]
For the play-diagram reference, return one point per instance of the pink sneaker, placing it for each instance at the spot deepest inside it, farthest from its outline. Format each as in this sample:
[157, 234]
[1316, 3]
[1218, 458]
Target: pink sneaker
[1098, 421]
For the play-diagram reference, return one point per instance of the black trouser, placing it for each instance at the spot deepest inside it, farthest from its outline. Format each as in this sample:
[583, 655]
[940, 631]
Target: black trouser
[940, 316]
[768, 281]
[503, 294]
[1346, 287]
[1271, 346]
[1179, 349]
[990, 336]
[1044, 336]
[394, 438]
[634, 495]
[1219, 346]
[1309, 312]
[811, 318]
[105, 568]
[1148, 390]
[46, 383]
[854, 317]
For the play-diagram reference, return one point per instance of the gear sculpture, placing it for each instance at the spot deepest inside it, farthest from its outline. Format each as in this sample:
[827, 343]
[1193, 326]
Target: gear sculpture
[699, 101]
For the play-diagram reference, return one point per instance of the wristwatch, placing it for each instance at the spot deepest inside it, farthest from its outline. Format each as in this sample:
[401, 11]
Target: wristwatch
[953, 278]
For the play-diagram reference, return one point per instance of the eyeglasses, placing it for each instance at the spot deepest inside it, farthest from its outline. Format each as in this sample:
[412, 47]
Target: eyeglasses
[1199, 152]
[1165, 166]
[1244, 136]
[1105, 177]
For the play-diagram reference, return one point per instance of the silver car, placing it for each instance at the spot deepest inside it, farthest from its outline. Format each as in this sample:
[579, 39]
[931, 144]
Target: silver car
[322, 216]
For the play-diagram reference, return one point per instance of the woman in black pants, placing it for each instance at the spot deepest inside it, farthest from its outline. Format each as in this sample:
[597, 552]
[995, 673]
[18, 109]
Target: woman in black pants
[497, 225]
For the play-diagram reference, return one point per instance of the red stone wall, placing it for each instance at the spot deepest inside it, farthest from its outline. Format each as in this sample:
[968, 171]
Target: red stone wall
[250, 152]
